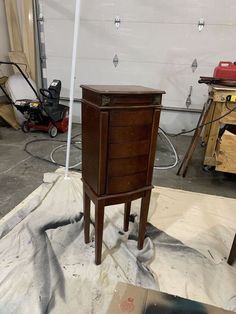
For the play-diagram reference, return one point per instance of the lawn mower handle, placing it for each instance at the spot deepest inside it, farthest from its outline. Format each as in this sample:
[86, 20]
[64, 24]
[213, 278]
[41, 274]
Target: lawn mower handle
[23, 74]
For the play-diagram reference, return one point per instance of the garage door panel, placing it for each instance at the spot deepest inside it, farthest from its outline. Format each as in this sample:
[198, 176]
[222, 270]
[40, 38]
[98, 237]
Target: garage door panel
[171, 44]
[176, 44]
[156, 44]
[98, 10]
[57, 9]
[175, 80]
[177, 11]
[162, 11]
[91, 43]
[103, 72]
[54, 31]
[90, 9]
[94, 45]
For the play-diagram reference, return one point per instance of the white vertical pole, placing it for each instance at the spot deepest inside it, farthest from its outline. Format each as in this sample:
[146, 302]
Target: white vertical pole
[72, 83]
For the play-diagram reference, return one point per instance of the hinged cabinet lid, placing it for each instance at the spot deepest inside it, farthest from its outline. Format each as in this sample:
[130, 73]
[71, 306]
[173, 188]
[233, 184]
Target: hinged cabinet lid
[122, 89]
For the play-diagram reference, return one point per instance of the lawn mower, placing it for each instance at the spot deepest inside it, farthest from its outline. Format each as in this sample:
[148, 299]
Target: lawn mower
[42, 112]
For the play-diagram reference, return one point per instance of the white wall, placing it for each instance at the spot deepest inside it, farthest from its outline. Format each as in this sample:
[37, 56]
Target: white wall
[156, 44]
[4, 41]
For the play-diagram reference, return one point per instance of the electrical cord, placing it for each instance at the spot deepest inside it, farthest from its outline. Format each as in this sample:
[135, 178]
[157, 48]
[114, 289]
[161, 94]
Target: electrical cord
[173, 149]
[185, 132]
[165, 134]
[202, 125]
[59, 147]
[161, 132]
[52, 160]
[226, 105]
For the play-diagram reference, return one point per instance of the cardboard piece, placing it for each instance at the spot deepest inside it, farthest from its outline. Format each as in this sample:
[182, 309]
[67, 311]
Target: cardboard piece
[7, 114]
[131, 299]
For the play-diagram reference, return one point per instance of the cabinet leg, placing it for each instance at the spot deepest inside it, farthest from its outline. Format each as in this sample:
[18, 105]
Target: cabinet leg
[99, 219]
[232, 254]
[86, 217]
[126, 216]
[143, 219]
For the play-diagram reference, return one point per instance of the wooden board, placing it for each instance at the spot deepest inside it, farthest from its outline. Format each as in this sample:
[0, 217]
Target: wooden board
[13, 25]
[231, 118]
[213, 136]
[28, 35]
[207, 128]
[226, 153]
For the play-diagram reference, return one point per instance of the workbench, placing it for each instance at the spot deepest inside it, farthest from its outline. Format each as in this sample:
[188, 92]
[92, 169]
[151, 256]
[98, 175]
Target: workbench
[220, 151]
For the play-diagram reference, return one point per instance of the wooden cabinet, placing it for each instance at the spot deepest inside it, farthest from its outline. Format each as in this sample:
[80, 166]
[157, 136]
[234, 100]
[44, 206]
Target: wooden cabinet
[119, 133]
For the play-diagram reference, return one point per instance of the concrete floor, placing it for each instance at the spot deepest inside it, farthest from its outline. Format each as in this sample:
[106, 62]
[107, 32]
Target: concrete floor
[20, 173]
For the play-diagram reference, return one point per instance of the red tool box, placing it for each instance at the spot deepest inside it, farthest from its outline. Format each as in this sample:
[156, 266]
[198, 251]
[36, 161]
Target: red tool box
[225, 70]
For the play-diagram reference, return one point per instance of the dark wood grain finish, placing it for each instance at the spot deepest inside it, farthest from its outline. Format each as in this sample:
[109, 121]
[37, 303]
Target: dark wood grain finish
[126, 216]
[126, 183]
[127, 166]
[127, 101]
[92, 97]
[99, 220]
[103, 142]
[113, 199]
[90, 145]
[143, 219]
[131, 117]
[122, 90]
[153, 144]
[135, 133]
[232, 254]
[126, 150]
[119, 132]
[86, 201]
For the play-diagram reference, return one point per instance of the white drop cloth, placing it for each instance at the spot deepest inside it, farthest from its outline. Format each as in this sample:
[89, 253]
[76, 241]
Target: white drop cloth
[46, 267]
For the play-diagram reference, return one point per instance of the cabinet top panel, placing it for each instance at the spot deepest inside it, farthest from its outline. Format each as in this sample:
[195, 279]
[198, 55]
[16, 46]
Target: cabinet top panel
[121, 89]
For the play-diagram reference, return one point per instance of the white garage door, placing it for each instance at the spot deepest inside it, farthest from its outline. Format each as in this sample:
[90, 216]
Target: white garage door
[156, 44]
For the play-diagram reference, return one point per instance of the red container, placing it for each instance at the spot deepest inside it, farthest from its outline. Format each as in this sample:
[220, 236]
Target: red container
[225, 70]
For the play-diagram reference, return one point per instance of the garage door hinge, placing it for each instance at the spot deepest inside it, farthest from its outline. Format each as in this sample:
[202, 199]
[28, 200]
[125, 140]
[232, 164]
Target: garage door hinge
[201, 24]
[188, 100]
[117, 22]
[115, 60]
[43, 58]
[40, 19]
[194, 65]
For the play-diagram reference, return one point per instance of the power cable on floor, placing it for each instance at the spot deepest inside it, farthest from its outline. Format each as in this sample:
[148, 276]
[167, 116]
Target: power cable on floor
[174, 151]
[60, 147]
[52, 160]
[202, 125]
[165, 134]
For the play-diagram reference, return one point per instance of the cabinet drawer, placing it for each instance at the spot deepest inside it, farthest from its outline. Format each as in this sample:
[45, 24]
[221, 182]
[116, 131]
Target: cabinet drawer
[126, 150]
[126, 183]
[124, 100]
[127, 166]
[131, 117]
[129, 133]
